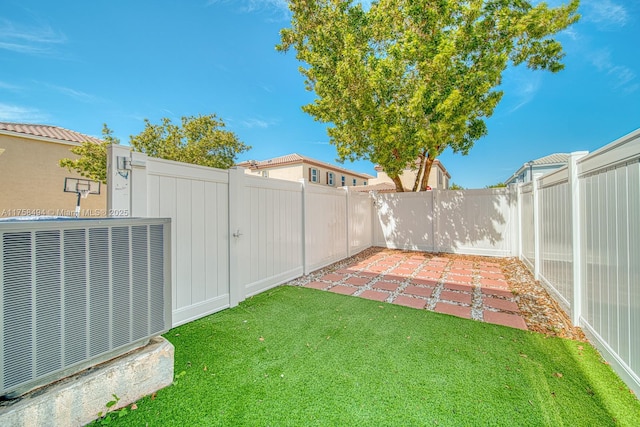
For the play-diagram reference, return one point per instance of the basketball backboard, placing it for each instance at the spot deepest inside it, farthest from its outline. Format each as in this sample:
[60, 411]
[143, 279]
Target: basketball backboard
[81, 186]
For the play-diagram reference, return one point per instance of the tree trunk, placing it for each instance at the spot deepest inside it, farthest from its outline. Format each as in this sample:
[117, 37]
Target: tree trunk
[398, 183]
[416, 184]
[427, 171]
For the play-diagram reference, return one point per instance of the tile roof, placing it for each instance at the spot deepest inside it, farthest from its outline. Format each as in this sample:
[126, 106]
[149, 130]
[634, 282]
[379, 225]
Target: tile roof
[552, 159]
[276, 161]
[47, 131]
[383, 187]
[294, 158]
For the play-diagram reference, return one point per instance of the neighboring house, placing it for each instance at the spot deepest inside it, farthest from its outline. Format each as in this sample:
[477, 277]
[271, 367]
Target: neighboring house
[294, 167]
[537, 167]
[32, 181]
[439, 178]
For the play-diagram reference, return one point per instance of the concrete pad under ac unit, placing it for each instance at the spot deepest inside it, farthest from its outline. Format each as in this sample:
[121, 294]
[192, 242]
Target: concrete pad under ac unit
[77, 400]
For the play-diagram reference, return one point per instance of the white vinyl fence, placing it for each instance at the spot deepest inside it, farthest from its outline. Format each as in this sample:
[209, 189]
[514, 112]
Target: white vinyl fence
[581, 237]
[473, 222]
[235, 235]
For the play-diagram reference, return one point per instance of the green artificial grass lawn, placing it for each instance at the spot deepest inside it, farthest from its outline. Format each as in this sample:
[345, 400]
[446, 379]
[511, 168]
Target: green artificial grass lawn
[296, 357]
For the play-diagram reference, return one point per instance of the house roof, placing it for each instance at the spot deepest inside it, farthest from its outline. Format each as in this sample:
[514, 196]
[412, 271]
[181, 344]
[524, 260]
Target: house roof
[552, 159]
[294, 158]
[46, 132]
[383, 187]
[557, 159]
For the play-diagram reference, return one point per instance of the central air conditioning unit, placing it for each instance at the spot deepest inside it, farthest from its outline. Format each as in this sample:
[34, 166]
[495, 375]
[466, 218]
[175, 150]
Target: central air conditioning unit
[77, 292]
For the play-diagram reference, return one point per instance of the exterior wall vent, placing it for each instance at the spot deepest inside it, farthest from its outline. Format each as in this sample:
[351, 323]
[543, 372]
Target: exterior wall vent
[78, 292]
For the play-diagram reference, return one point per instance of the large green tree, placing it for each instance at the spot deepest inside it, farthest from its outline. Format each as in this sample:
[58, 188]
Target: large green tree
[91, 160]
[201, 140]
[406, 79]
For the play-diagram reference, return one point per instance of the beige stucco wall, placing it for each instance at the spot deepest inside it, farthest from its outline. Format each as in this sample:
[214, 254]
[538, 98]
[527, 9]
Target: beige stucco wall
[289, 172]
[408, 178]
[337, 176]
[299, 171]
[31, 182]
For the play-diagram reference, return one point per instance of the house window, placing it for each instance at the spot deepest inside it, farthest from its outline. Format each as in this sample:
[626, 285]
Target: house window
[265, 174]
[330, 179]
[355, 182]
[365, 183]
[440, 178]
[314, 175]
[343, 181]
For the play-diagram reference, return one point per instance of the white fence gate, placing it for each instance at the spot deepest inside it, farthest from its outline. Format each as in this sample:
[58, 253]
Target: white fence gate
[235, 235]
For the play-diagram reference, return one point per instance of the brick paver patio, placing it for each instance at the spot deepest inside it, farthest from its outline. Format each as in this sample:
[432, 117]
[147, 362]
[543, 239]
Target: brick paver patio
[471, 290]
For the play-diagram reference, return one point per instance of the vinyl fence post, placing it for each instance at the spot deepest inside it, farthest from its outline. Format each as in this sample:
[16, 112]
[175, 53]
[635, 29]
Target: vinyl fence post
[435, 225]
[375, 240]
[349, 214]
[118, 181]
[139, 191]
[237, 188]
[536, 229]
[305, 266]
[518, 248]
[374, 218]
[574, 195]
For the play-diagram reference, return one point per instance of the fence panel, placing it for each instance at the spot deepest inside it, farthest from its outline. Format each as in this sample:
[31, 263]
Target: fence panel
[195, 198]
[556, 248]
[360, 224]
[325, 220]
[527, 235]
[611, 274]
[476, 222]
[272, 243]
[404, 221]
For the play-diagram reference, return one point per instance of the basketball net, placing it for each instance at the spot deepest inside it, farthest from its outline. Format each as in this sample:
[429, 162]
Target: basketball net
[84, 192]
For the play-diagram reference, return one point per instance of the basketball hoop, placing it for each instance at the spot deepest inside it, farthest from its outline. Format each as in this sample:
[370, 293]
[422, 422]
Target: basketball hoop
[82, 188]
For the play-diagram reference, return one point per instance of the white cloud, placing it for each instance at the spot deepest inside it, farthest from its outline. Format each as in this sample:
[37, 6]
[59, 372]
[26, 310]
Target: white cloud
[35, 40]
[622, 77]
[571, 33]
[523, 87]
[256, 123]
[9, 86]
[73, 93]
[601, 59]
[256, 5]
[605, 13]
[280, 5]
[16, 113]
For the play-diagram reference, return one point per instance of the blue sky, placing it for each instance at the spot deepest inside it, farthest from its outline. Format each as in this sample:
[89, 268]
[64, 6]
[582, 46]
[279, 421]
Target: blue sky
[81, 64]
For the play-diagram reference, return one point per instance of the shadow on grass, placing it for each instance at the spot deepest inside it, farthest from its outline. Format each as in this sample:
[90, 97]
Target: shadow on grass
[296, 356]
